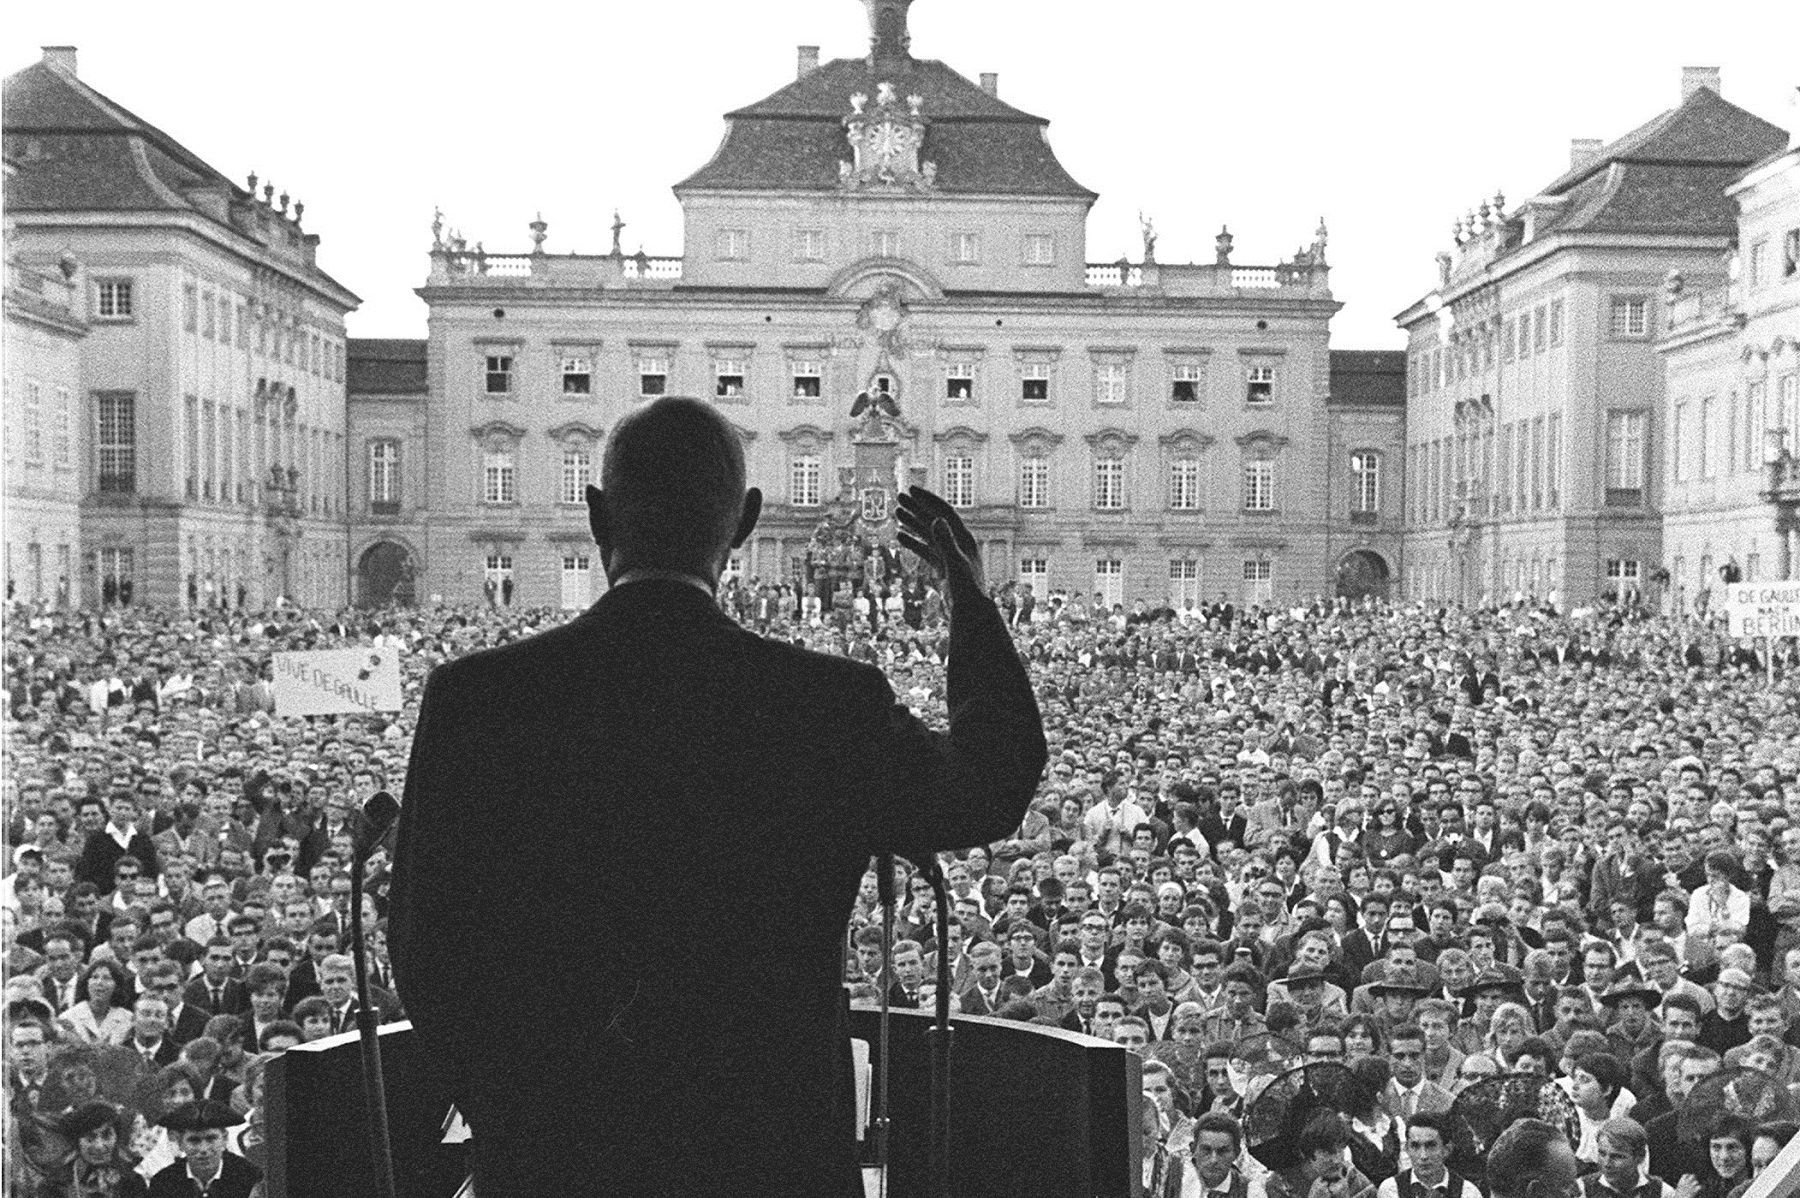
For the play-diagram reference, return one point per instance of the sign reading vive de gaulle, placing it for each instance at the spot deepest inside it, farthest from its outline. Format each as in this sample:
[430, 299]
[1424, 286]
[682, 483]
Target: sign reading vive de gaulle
[337, 682]
[1755, 609]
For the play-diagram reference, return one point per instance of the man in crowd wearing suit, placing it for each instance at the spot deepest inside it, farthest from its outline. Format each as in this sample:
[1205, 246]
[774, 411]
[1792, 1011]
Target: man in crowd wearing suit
[569, 768]
[215, 990]
[119, 838]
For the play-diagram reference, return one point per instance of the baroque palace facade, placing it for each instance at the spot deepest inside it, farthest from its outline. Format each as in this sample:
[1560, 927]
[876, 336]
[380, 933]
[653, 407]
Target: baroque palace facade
[887, 228]
[1540, 440]
[175, 404]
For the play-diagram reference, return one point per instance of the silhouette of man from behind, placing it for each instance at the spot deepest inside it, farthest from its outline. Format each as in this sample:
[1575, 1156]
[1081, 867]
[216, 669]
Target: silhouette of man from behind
[586, 1009]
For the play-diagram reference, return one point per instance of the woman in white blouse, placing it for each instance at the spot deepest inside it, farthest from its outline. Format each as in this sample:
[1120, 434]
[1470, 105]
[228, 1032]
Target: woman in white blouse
[100, 1014]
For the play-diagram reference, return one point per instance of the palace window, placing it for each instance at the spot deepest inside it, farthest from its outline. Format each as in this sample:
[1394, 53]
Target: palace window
[577, 473]
[1109, 484]
[1184, 386]
[1259, 485]
[577, 376]
[1622, 577]
[734, 244]
[1540, 330]
[1260, 387]
[809, 245]
[1556, 322]
[499, 374]
[499, 476]
[966, 247]
[384, 476]
[61, 436]
[1034, 572]
[115, 445]
[803, 481]
[1040, 249]
[1365, 482]
[1624, 458]
[1553, 461]
[190, 444]
[34, 421]
[577, 580]
[1109, 581]
[1184, 485]
[1034, 482]
[809, 378]
[959, 481]
[1630, 317]
[1184, 583]
[653, 376]
[1259, 581]
[959, 381]
[190, 308]
[1109, 383]
[113, 299]
[885, 243]
[728, 378]
[1034, 382]
[497, 575]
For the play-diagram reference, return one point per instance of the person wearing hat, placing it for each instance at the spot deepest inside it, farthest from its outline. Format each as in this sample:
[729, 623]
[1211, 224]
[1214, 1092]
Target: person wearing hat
[98, 1166]
[206, 1169]
[1304, 986]
[1629, 1003]
[1395, 996]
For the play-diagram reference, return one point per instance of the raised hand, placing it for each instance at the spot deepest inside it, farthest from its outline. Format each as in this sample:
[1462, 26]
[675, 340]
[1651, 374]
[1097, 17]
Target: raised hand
[931, 528]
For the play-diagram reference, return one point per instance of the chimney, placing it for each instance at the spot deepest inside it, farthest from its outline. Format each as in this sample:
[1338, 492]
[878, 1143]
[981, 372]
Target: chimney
[1695, 78]
[990, 83]
[809, 61]
[61, 57]
[888, 37]
[1584, 151]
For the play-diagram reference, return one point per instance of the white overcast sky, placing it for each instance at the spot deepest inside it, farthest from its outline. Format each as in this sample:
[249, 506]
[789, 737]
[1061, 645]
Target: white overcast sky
[1385, 118]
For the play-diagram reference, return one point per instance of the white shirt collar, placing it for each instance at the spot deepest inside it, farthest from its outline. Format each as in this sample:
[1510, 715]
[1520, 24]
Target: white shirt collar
[647, 573]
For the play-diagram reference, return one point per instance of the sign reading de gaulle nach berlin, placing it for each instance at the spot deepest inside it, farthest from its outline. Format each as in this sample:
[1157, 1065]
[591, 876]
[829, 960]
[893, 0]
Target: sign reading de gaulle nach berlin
[337, 682]
[1758, 609]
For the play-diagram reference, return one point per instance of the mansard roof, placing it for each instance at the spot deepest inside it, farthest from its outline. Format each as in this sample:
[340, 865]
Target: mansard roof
[76, 150]
[1669, 174]
[794, 139]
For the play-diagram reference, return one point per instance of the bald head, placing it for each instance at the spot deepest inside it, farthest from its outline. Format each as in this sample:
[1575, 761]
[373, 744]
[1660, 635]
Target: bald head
[672, 492]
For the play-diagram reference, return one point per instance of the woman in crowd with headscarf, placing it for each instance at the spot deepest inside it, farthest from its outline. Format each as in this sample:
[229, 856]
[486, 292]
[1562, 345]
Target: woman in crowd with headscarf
[94, 1163]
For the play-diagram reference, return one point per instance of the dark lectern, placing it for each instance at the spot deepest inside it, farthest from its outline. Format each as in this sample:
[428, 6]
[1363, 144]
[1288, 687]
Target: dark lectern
[1035, 1112]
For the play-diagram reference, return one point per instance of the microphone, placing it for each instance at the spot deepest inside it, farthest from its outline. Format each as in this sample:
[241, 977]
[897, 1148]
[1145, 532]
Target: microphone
[372, 823]
[884, 879]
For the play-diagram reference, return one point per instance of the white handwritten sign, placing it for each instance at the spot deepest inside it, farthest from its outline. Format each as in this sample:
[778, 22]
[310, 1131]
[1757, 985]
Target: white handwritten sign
[337, 681]
[1756, 609]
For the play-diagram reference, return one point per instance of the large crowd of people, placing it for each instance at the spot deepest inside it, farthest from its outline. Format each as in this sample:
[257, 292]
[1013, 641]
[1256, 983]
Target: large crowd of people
[1431, 845]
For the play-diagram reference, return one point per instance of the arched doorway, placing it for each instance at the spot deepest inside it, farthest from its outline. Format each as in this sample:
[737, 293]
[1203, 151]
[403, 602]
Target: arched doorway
[384, 576]
[1362, 574]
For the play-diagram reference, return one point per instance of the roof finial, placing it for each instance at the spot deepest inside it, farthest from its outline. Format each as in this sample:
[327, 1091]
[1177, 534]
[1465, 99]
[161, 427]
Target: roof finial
[888, 39]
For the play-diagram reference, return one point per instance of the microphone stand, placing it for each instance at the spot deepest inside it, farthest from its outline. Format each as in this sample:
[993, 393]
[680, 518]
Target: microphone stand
[940, 1033]
[884, 883]
[372, 824]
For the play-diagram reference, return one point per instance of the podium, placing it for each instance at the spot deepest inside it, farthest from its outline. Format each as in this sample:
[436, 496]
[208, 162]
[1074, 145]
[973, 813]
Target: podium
[1036, 1112]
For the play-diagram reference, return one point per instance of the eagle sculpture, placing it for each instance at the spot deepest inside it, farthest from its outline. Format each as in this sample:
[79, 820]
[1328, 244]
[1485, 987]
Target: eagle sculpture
[883, 402]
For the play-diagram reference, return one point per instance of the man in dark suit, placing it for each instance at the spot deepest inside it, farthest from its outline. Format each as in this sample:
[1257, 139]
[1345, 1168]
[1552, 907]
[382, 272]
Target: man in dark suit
[185, 1021]
[568, 770]
[118, 839]
[215, 990]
